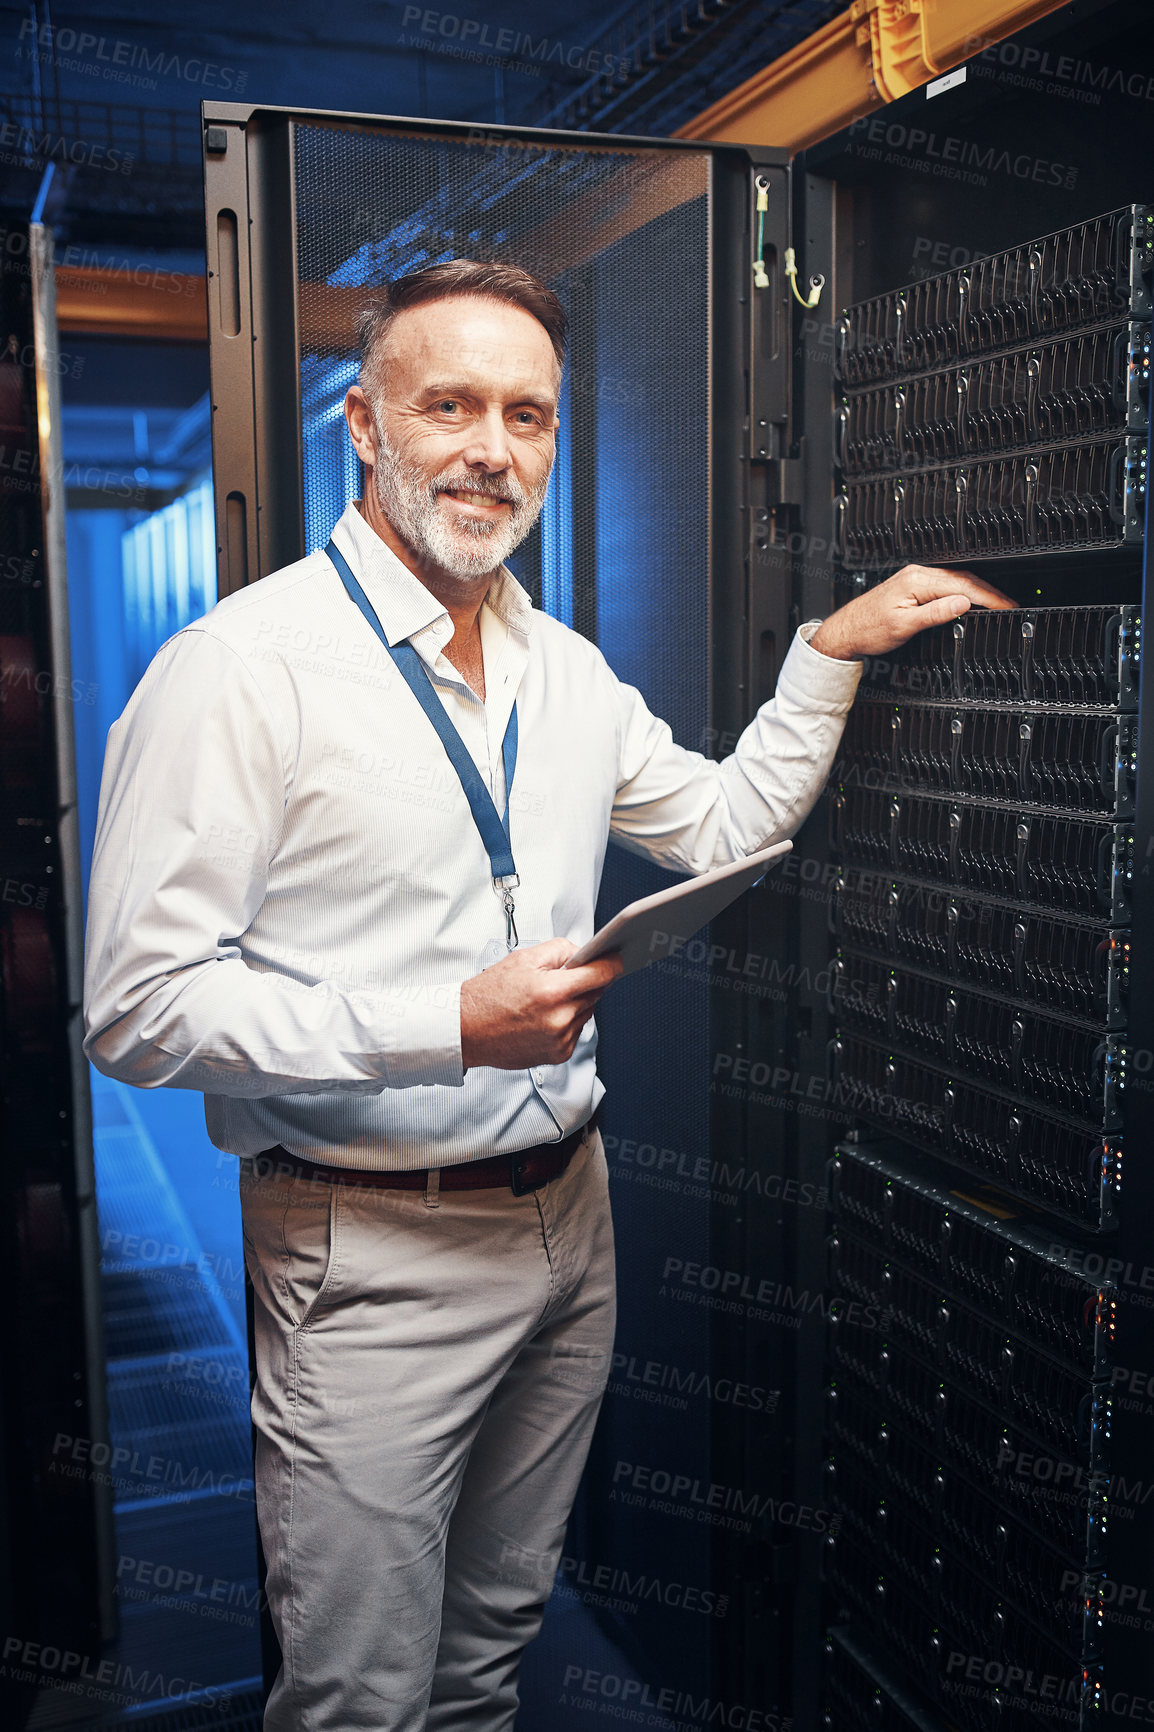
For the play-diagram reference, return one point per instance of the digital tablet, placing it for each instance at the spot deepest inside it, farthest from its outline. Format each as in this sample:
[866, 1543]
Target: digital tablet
[658, 925]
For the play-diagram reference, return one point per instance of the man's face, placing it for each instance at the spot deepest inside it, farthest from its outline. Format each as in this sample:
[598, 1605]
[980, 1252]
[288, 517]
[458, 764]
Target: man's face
[464, 429]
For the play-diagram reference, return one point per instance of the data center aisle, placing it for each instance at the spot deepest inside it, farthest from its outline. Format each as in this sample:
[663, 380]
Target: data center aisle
[178, 1395]
[188, 1646]
[187, 1649]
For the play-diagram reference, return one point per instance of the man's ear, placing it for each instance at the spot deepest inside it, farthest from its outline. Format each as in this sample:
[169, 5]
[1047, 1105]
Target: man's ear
[359, 420]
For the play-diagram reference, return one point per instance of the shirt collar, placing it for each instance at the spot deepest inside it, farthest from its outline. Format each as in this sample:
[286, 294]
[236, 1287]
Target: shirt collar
[400, 600]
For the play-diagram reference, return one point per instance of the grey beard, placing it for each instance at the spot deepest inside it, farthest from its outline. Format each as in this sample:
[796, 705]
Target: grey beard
[409, 500]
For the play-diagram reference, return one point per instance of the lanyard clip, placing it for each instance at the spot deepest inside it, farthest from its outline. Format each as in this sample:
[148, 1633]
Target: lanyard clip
[507, 886]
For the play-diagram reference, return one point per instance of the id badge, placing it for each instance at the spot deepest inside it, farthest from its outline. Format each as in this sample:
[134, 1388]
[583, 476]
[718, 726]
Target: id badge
[496, 948]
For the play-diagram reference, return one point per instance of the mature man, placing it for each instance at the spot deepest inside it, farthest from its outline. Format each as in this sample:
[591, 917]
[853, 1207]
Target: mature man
[304, 903]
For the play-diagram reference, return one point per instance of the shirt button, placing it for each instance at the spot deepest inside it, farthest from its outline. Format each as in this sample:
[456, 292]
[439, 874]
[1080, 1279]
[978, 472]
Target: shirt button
[538, 1075]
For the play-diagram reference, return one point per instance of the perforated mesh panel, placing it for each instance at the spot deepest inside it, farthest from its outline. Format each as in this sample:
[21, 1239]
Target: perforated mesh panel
[622, 555]
[620, 235]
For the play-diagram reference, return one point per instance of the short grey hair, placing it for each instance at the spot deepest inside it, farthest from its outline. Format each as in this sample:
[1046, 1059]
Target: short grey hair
[489, 280]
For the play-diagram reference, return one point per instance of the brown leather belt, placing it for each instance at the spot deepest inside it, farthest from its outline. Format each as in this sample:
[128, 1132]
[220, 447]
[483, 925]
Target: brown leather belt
[522, 1172]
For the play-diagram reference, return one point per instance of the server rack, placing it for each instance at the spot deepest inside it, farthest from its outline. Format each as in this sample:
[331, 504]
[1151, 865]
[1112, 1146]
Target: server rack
[998, 410]
[981, 1025]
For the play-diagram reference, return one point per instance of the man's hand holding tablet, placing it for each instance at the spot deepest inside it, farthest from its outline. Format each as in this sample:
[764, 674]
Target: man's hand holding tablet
[529, 1008]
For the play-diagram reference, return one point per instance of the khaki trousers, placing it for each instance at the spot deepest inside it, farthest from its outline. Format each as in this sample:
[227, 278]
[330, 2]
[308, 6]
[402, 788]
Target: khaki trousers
[429, 1371]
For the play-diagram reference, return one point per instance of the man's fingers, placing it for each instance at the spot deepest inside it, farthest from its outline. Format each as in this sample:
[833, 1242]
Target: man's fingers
[593, 976]
[584, 1006]
[553, 953]
[937, 612]
[930, 581]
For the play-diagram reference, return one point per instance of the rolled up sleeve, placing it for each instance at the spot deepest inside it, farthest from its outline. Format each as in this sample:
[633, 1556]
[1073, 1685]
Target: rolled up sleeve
[690, 813]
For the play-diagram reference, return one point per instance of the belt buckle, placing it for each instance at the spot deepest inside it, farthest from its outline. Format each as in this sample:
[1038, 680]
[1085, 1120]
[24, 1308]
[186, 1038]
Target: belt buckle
[517, 1170]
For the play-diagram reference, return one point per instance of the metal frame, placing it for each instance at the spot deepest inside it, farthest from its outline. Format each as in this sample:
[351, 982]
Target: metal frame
[76, 1103]
[1129, 1659]
[250, 221]
[254, 370]
[753, 435]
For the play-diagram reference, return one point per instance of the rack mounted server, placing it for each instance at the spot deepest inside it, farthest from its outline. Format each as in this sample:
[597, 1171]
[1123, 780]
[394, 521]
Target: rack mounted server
[982, 817]
[1002, 408]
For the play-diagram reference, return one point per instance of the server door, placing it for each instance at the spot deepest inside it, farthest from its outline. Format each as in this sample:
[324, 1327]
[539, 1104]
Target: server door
[674, 438]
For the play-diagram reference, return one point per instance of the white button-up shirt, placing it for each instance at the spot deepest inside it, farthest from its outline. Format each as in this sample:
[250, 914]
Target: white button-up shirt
[288, 887]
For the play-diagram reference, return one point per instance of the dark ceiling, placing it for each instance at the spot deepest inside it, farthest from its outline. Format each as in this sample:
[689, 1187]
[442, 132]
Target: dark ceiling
[107, 95]
[111, 92]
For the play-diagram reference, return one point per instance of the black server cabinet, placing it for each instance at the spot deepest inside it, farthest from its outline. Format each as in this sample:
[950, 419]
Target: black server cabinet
[672, 472]
[56, 1535]
[973, 951]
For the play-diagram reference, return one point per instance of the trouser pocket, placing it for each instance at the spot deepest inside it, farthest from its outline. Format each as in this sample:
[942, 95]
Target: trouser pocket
[292, 1230]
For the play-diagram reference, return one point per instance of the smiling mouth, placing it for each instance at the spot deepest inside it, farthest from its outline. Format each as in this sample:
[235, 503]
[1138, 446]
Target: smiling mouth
[474, 499]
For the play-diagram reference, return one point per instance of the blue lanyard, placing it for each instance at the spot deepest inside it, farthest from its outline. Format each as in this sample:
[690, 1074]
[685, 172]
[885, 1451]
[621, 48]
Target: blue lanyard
[494, 829]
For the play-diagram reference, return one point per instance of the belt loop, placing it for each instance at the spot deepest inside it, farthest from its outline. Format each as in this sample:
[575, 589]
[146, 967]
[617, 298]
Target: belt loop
[433, 1188]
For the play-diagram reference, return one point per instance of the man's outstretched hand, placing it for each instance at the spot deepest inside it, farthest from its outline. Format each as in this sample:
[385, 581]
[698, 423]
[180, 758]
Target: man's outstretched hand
[915, 597]
[529, 1008]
